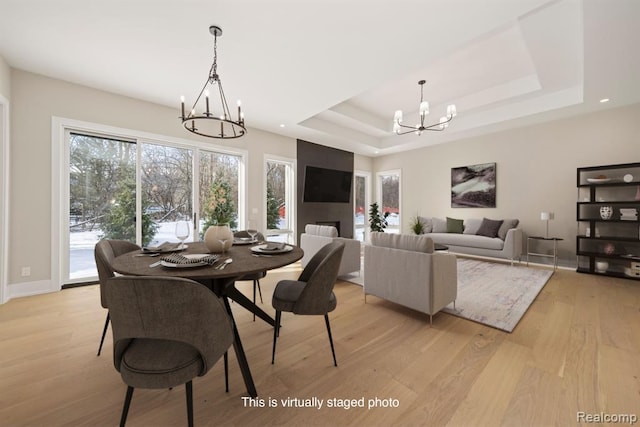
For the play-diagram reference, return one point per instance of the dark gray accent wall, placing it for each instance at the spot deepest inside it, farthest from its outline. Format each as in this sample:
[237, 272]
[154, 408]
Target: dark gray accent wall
[318, 155]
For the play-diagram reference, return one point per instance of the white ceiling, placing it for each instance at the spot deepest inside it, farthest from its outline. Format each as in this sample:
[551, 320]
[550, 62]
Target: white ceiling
[334, 71]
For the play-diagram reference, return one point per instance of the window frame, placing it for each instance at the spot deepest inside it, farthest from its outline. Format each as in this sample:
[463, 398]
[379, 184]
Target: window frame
[367, 202]
[379, 176]
[290, 194]
[61, 127]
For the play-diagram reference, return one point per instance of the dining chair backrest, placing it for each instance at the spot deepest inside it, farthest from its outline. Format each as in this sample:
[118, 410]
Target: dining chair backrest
[320, 276]
[105, 252]
[168, 308]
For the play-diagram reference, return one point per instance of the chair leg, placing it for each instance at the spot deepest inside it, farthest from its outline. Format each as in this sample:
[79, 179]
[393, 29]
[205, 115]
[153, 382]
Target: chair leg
[125, 408]
[326, 320]
[276, 331]
[104, 332]
[254, 299]
[259, 291]
[226, 372]
[189, 390]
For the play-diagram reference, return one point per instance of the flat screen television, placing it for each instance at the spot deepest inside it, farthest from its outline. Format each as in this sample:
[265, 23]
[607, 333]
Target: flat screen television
[327, 185]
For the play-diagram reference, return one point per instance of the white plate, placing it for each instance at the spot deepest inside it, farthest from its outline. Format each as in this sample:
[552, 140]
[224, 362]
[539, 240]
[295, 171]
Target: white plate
[172, 265]
[244, 241]
[159, 250]
[261, 249]
[598, 180]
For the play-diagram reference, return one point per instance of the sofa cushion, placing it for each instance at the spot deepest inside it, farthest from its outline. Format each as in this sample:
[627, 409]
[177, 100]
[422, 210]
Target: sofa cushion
[439, 225]
[407, 242]
[467, 241]
[489, 227]
[471, 225]
[427, 223]
[321, 230]
[507, 225]
[455, 225]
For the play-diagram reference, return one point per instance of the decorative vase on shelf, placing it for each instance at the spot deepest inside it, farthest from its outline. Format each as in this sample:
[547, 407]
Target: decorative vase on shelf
[218, 238]
[606, 212]
[609, 248]
[602, 266]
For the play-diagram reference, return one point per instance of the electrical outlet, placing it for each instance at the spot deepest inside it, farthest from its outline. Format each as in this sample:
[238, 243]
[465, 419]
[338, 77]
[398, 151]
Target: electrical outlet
[26, 271]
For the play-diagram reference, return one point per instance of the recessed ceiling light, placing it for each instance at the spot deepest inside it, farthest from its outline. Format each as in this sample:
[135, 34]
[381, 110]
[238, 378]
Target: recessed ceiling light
[603, 100]
[376, 152]
[282, 125]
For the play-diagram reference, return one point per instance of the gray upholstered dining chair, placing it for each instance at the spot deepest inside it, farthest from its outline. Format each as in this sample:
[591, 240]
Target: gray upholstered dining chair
[312, 293]
[254, 277]
[166, 331]
[105, 252]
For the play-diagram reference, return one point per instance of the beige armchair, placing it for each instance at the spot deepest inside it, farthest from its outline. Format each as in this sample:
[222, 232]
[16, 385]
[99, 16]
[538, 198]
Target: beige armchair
[317, 236]
[404, 269]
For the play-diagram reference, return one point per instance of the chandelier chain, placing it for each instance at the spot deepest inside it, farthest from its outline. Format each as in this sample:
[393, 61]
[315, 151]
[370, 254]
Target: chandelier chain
[213, 72]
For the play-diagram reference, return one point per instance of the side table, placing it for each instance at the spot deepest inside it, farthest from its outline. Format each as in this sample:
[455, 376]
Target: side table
[555, 241]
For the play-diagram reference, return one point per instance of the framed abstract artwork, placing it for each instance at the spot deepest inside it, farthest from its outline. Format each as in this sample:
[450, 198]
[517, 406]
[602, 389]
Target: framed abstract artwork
[474, 186]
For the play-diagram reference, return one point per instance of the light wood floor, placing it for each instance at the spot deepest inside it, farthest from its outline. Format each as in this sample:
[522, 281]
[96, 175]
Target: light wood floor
[577, 349]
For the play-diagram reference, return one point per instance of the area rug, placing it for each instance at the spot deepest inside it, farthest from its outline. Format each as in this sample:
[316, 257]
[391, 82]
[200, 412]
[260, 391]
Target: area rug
[491, 293]
[494, 294]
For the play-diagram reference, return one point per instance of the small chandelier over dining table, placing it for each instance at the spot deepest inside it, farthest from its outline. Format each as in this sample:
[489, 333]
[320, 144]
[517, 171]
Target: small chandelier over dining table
[214, 120]
[401, 129]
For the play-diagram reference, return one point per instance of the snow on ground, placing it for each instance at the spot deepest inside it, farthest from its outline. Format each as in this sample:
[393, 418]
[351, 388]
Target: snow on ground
[81, 243]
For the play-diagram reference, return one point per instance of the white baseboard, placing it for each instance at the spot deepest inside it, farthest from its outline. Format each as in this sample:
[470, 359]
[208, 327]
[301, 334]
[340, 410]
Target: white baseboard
[26, 289]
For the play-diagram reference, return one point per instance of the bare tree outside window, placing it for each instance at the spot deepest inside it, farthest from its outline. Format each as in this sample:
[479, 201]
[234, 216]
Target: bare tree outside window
[276, 196]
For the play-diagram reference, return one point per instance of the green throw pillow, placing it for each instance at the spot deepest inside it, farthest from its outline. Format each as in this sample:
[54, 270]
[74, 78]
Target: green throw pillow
[455, 225]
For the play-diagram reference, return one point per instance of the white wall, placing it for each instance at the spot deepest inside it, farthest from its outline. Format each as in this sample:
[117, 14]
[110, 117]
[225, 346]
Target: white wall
[5, 79]
[35, 99]
[535, 165]
[536, 170]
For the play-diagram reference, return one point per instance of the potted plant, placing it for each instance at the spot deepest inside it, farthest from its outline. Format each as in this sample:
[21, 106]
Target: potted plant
[416, 225]
[377, 221]
[219, 218]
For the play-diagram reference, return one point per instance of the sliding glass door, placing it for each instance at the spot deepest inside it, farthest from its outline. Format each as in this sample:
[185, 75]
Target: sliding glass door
[167, 191]
[102, 182]
[137, 190]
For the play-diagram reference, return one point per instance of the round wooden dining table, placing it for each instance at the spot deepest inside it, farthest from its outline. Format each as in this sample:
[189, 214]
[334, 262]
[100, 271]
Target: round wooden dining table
[220, 281]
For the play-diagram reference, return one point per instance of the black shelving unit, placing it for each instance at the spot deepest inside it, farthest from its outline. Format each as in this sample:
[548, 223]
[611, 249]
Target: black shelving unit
[609, 245]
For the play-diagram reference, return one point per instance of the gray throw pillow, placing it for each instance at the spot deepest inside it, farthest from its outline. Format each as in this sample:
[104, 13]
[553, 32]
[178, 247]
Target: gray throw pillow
[507, 225]
[471, 225]
[489, 227]
[439, 225]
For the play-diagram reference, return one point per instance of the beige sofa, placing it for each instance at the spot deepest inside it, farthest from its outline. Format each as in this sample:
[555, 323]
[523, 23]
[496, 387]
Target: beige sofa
[507, 243]
[316, 236]
[404, 269]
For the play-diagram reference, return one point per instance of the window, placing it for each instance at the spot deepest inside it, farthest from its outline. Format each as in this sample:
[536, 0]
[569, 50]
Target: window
[388, 192]
[122, 184]
[167, 191]
[102, 201]
[361, 204]
[219, 176]
[279, 199]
